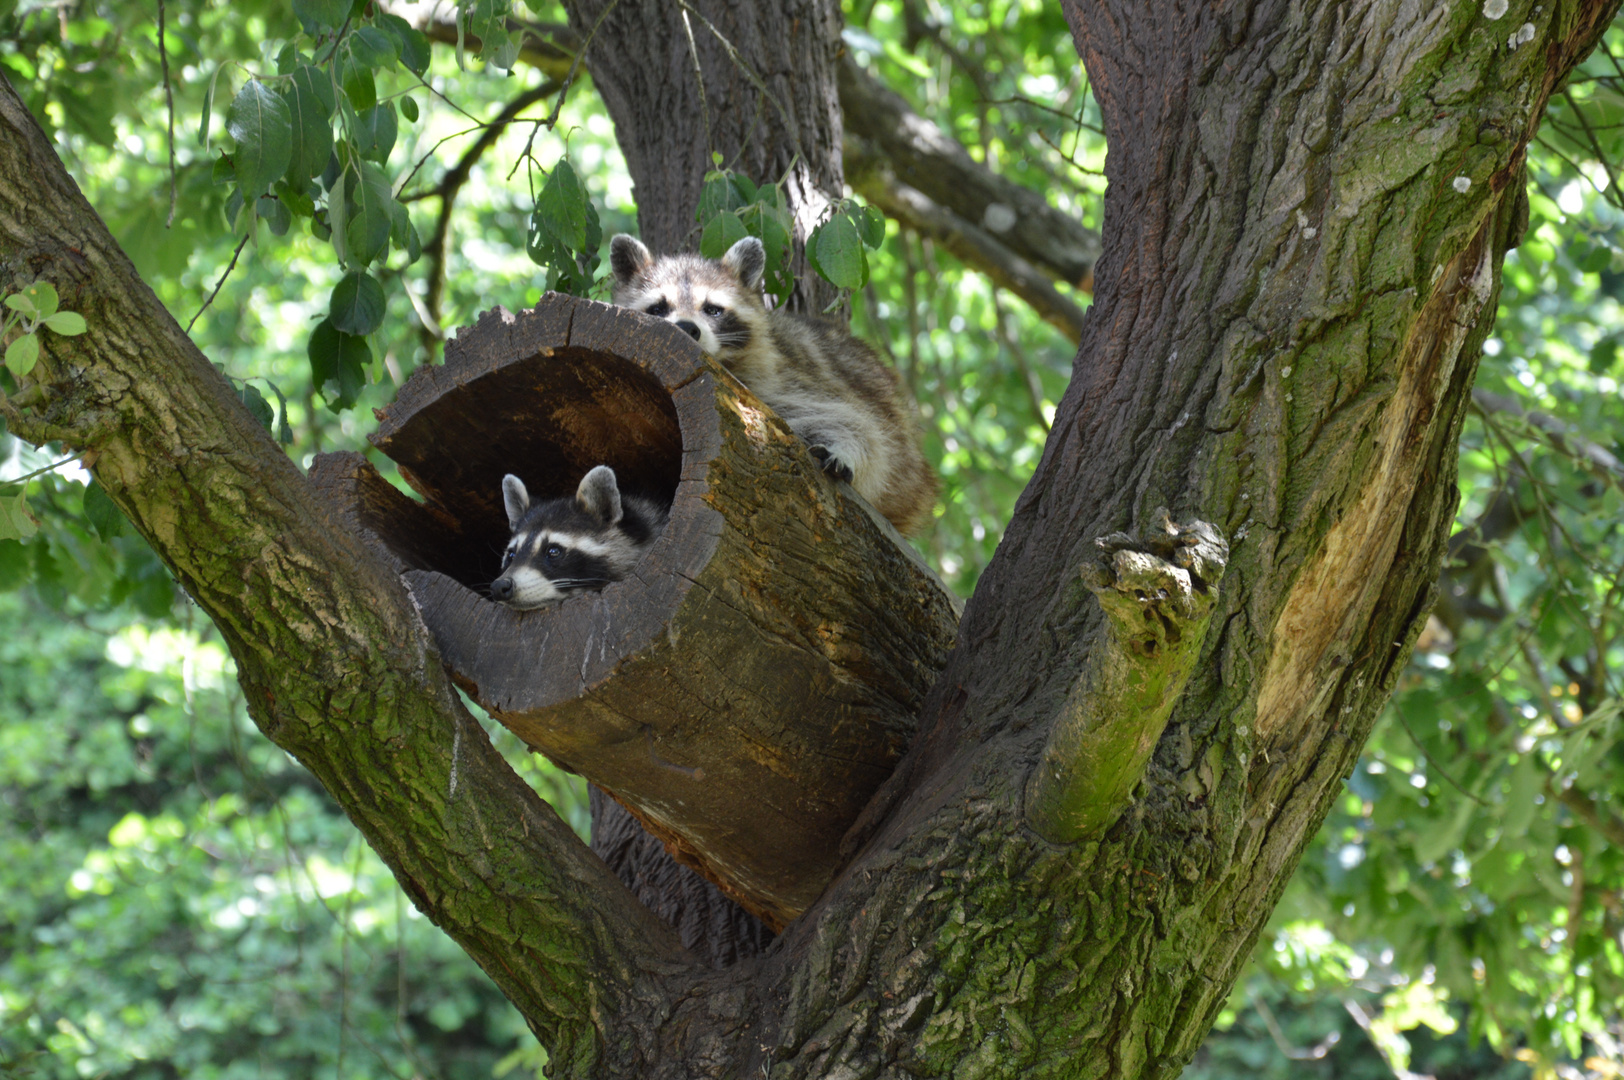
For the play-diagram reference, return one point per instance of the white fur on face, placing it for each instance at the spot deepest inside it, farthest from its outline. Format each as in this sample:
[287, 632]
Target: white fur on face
[531, 589]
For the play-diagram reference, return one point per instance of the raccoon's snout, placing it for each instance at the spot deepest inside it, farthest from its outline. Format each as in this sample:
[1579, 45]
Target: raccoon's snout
[502, 589]
[689, 327]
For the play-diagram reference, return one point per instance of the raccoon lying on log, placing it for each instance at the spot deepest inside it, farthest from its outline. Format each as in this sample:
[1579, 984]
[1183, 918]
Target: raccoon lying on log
[827, 385]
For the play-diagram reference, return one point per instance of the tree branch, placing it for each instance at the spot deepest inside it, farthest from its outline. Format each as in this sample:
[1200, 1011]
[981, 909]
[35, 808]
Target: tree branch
[1158, 594]
[923, 157]
[973, 245]
[434, 250]
[1593, 458]
[336, 666]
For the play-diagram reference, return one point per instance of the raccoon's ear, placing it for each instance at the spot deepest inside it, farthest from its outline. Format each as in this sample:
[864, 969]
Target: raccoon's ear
[627, 258]
[748, 261]
[516, 498]
[599, 495]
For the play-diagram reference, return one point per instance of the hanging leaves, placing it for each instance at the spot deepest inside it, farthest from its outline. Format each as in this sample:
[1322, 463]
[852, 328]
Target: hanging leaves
[338, 364]
[357, 304]
[564, 232]
[838, 248]
[732, 207]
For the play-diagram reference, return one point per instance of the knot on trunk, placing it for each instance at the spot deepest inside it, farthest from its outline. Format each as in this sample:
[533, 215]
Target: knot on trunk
[1166, 575]
[1158, 590]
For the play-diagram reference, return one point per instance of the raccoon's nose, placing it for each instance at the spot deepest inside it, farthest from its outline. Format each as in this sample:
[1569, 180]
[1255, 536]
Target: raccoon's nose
[502, 589]
[689, 327]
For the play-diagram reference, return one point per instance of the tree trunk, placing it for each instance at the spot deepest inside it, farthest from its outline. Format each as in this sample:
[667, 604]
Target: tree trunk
[1307, 211]
[754, 81]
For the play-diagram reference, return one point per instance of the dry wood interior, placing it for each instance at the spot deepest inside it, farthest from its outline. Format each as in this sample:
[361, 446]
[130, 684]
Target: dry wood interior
[547, 420]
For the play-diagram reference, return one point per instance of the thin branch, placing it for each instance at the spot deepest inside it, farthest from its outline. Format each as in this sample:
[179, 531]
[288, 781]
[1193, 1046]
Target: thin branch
[1034, 388]
[1592, 457]
[449, 186]
[699, 81]
[41, 471]
[1432, 762]
[976, 247]
[169, 95]
[234, 256]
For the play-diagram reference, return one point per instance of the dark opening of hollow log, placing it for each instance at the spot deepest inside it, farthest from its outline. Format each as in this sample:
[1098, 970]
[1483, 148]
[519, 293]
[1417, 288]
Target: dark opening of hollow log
[752, 682]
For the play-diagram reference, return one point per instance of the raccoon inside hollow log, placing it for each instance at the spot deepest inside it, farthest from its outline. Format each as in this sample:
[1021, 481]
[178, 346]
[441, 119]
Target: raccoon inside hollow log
[751, 681]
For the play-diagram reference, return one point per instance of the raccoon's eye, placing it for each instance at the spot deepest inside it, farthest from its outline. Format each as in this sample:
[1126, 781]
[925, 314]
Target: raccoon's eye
[507, 558]
[553, 553]
[659, 309]
[713, 310]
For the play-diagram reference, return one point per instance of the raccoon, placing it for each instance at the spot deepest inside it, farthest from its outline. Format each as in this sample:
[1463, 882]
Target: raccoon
[562, 545]
[829, 387]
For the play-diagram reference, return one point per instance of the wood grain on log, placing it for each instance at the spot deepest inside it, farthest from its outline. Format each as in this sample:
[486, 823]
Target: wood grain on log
[769, 575]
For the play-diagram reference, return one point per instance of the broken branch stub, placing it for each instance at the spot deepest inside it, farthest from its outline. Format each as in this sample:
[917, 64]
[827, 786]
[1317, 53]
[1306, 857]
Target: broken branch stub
[1158, 591]
[753, 680]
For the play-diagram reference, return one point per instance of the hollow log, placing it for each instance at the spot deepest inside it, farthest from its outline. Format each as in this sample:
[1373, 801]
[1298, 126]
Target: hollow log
[753, 681]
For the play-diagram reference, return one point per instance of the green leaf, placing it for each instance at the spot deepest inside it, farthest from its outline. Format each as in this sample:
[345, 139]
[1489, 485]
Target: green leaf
[338, 215]
[255, 402]
[16, 523]
[871, 225]
[260, 123]
[367, 233]
[357, 304]
[316, 15]
[299, 203]
[717, 196]
[38, 301]
[103, 516]
[66, 323]
[309, 95]
[408, 109]
[381, 129]
[208, 109]
[413, 46]
[403, 234]
[355, 78]
[274, 214]
[22, 354]
[840, 252]
[562, 206]
[338, 364]
[284, 433]
[724, 230]
[374, 48]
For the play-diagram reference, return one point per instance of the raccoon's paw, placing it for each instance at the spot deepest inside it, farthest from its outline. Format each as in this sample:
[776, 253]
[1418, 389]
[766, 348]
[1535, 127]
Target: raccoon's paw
[832, 465]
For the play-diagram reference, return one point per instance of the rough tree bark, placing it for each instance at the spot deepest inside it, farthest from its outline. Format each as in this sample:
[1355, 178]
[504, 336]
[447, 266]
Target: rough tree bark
[1308, 207]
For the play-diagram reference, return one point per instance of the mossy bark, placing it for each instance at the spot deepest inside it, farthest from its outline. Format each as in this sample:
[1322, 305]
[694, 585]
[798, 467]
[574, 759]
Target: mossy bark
[1284, 332]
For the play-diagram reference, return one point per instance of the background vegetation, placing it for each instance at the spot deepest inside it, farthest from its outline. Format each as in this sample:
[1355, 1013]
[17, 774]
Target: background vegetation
[177, 897]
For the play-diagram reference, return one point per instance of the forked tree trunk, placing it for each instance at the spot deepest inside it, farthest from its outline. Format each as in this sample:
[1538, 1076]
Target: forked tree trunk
[1308, 208]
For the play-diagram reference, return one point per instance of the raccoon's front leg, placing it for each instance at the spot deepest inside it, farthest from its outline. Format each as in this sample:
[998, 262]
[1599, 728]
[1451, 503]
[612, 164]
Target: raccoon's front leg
[838, 438]
[832, 463]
